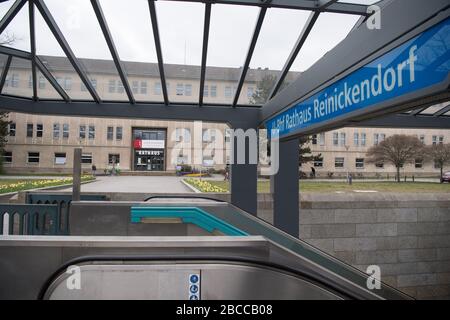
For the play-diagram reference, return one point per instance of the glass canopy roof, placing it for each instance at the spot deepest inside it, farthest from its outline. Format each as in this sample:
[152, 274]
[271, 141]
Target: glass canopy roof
[219, 53]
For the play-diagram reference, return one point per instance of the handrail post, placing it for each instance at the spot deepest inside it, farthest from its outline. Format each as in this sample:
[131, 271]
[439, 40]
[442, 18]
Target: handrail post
[76, 189]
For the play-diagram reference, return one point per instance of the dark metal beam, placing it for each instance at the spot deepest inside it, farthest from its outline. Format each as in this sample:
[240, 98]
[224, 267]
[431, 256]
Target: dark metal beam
[442, 111]
[112, 48]
[15, 8]
[5, 73]
[66, 48]
[15, 52]
[33, 48]
[323, 4]
[51, 79]
[236, 117]
[337, 7]
[418, 111]
[204, 51]
[157, 39]
[259, 22]
[293, 55]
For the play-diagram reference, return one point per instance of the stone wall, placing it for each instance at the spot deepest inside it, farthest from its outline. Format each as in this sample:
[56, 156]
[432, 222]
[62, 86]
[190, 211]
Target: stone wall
[407, 235]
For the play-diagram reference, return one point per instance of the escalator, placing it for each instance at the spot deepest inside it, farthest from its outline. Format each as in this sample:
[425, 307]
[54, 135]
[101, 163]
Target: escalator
[231, 255]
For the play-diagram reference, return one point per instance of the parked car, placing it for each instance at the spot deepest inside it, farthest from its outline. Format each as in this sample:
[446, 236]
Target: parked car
[445, 177]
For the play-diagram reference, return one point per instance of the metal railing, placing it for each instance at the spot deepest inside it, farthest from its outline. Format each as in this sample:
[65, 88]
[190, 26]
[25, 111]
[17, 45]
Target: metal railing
[30, 219]
[62, 201]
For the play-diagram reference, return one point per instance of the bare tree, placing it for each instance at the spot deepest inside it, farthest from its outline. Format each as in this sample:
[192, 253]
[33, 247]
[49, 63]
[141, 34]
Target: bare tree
[7, 39]
[397, 149]
[439, 154]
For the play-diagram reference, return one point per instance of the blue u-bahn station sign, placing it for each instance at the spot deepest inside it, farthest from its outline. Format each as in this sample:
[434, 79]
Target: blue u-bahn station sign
[419, 63]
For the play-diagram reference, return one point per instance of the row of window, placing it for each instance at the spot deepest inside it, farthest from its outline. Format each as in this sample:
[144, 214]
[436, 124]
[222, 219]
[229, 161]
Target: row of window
[63, 131]
[339, 163]
[61, 158]
[360, 139]
[138, 87]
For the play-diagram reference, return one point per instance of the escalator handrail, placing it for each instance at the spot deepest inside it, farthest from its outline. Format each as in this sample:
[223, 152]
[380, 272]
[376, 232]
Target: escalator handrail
[183, 197]
[97, 258]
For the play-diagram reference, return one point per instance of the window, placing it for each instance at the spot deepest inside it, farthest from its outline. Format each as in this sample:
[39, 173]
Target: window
[183, 134]
[322, 139]
[30, 130]
[39, 130]
[30, 81]
[7, 157]
[206, 91]
[112, 86]
[110, 133]
[376, 139]
[12, 129]
[422, 138]
[86, 158]
[318, 163]
[68, 84]
[213, 91]
[250, 92]
[113, 158]
[135, 87]
[120, 88]
[356, 139]
[15, 80]
[438, 139]
[91, 132]
[363, 139]
[33, 157]
[56, 130]
[227, 135]
[157, 88]
[418, 163]
[359, 163]
[41, 82]
[339, 163]
[343, 140]
[181, 159]
[66, 131]
[119, 133]
[335, 139]
[228, 92]
[379, 165]
[82, 132]
[188, 90]
[60, 158]
[143, 87]
[314, 139]
[180, 89]
[209, 135]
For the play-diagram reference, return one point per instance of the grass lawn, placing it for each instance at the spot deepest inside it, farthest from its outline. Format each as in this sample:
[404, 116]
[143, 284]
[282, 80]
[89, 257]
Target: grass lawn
[13, 185]
[327, 187]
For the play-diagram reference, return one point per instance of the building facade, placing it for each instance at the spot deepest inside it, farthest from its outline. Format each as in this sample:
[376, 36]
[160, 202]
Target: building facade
[45, 143]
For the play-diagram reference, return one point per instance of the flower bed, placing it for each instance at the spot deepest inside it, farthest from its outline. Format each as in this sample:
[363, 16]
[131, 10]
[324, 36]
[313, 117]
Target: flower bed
[35, 184]
[205, 186]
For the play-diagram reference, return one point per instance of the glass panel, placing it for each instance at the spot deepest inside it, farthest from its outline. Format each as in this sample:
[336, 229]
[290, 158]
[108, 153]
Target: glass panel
[17, 33]
[227, 48]
[18, 80]
[44, 88]
[79, 25]
[328, 31]
[133, 36]
[4, 7]
[433, 109]
[181, 31]
[53, 57]
[271, 53]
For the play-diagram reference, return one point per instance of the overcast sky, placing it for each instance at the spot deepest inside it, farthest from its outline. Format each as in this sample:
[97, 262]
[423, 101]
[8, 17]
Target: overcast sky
[181, 30]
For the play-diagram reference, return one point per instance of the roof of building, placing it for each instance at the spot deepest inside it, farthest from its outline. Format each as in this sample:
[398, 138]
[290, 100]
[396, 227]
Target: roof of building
[147, 69]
